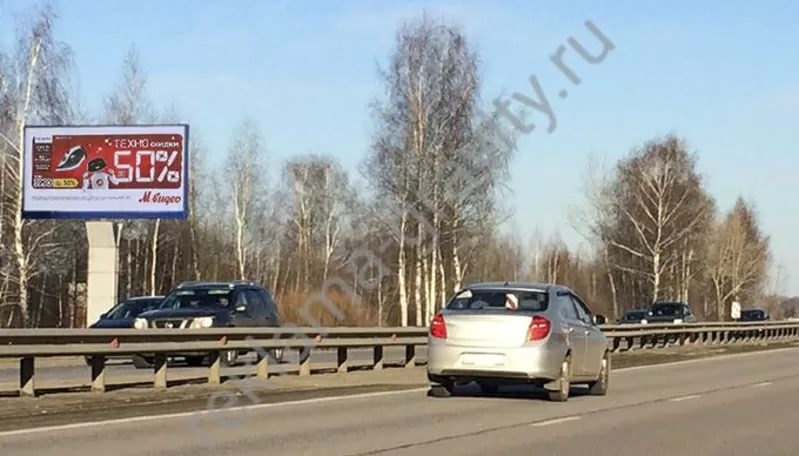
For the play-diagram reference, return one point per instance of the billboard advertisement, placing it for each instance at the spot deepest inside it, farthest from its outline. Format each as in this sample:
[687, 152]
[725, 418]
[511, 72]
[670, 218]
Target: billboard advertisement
[106, 172]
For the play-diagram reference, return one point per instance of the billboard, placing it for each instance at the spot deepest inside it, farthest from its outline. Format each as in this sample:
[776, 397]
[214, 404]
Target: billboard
[106, 172]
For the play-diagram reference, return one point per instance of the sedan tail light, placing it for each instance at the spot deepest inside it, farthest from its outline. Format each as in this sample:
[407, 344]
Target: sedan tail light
[539, 328]
[438, 328]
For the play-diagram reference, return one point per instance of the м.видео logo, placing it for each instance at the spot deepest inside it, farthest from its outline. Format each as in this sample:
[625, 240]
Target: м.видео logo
[149, 197]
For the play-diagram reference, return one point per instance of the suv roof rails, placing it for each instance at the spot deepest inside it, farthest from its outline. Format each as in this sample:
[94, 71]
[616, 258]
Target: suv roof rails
[230, 283]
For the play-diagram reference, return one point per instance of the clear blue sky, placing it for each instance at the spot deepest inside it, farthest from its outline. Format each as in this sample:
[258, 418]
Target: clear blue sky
[721, 74]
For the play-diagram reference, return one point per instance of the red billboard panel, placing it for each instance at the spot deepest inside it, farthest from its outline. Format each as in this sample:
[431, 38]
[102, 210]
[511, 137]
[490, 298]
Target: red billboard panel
[106, 172]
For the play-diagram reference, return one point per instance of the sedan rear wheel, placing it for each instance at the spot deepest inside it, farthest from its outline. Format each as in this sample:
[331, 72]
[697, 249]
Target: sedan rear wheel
[561, 394]
[442, 389]
[600, 387]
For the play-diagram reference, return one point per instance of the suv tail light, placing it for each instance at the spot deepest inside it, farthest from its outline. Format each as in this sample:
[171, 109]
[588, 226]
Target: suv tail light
[438, 328]
[539, 328]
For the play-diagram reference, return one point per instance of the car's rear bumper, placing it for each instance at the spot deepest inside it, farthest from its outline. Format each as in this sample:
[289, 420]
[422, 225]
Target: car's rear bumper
[530, 363]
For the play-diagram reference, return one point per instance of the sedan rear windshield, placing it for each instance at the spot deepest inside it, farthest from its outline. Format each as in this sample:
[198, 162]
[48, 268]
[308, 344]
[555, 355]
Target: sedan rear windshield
[500, 299]
[132, 309]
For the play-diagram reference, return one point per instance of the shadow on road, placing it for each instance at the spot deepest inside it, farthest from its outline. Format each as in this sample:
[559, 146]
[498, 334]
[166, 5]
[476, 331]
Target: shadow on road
[512, 392]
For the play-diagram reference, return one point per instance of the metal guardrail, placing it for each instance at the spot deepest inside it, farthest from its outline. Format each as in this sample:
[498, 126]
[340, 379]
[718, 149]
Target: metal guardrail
[99, 344]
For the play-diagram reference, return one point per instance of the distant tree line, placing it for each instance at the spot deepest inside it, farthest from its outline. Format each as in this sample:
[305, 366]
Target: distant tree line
[391, 253]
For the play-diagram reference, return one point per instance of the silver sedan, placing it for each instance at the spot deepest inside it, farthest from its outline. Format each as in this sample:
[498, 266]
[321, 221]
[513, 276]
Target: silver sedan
[518, 333]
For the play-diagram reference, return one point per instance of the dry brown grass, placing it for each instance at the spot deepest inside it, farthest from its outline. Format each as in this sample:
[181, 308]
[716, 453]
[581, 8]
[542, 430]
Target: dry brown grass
[317, 313]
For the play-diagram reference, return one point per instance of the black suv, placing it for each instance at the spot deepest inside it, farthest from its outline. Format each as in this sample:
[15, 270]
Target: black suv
[670, 312]
[190, 305]
[754, 315]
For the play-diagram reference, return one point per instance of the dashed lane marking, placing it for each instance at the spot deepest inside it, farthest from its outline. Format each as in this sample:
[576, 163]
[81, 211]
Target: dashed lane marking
[555, 421]
[685, 398]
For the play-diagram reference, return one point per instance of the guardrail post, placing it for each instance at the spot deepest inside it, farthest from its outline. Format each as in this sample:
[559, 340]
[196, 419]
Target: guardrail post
[649, 341]
[410, 355]
[159, 368]
[98, 373]
[378, 358]
[305, 361]
[341, 361]
[26, 377]
[214, 368]
[262, 366]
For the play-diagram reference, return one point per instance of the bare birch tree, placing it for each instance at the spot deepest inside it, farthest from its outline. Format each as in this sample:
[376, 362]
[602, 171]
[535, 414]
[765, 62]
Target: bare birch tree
[246, 171]
[738, 258]
[593, 220]
[35, 90]
[430, 135]
[320, 196]
[130, 105]
[657, 202]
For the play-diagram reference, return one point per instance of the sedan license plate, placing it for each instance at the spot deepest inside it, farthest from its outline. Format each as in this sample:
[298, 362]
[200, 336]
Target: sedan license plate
[483, 360]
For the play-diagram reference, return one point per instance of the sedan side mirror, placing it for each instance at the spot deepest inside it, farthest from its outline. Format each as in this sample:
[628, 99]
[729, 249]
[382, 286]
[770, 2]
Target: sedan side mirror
[103, 316]
[599, 319]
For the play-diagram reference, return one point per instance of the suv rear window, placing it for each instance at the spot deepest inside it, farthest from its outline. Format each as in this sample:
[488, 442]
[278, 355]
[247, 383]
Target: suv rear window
[197, 298]
[634, 315]
[753, 315]
[498, 299]
[666, 309]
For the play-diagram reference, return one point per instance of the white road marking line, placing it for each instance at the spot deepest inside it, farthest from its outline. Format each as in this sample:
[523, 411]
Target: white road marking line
[555, 421]
[140, 419]
[705, 359]
[685, 398]
[760, 385]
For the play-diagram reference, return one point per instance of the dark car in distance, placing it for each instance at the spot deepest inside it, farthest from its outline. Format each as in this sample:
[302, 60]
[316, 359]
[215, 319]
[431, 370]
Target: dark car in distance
[123, 314]
[192, 305]
[634, 316]
[754, 315]
[670, 312]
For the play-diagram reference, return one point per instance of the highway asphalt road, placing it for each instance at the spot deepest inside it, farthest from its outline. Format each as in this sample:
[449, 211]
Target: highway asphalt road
[77, 373]
[740, 405]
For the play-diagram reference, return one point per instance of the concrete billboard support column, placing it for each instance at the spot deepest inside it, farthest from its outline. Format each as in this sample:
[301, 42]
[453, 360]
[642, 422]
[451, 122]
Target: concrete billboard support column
[101, 286]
